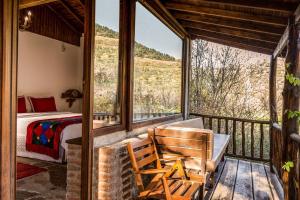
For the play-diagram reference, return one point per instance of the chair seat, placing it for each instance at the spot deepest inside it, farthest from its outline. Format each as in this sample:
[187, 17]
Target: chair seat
[179, 189]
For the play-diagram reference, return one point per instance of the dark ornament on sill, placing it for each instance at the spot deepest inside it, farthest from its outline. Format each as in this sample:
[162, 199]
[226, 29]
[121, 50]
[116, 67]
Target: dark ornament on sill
[71, 95]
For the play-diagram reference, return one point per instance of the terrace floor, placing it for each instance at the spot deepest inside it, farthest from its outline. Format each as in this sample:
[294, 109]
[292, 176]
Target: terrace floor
[245, 180]
[235, 179]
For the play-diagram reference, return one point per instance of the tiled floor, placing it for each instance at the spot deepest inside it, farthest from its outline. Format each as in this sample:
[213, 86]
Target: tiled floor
[50, 185]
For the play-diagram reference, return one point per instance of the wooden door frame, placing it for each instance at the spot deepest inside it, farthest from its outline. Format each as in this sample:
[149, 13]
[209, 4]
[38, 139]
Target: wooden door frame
[8, 97]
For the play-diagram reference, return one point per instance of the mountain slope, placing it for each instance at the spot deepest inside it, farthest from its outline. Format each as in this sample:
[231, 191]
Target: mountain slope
[140, 49]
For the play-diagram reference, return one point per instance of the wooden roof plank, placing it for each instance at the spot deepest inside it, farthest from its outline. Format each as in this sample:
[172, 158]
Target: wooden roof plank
[230, 23]
[30, 3]
[234, 44]
[63, 19]
[283, 8]
[269, 37]
[234, 39]
[274, 20]
[71, 11]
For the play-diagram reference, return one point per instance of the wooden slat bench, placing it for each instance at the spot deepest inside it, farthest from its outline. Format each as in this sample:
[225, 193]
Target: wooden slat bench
[184, 138]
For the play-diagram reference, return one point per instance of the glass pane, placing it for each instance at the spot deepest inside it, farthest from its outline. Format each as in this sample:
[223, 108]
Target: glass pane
[157, 68]
[106, 78]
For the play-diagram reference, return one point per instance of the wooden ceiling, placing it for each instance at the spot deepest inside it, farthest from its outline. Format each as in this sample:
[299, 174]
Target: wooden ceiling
[255, 25]
[58, 19]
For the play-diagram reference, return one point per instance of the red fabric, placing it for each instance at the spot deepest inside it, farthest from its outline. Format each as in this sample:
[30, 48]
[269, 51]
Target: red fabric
[25, 170]
[43, 136]
[21, 105]
[43, 104]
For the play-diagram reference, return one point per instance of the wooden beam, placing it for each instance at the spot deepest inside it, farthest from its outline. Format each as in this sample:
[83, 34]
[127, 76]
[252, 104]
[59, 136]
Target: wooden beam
[186, 67]
[87, 103]
[282, 43]
[268, 37]
[235, 39]
[272, 90]
[234, 44]
[158, 9]
[297, 14]
[291, 100]
[265, 6]
[8, 97]
[265, 19]
[230, 23]
[30, 3]
[71, 11]
[128, 25]
[64, 20]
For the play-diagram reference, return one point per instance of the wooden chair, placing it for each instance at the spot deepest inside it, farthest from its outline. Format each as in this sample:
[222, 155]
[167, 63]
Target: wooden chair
[169, 182]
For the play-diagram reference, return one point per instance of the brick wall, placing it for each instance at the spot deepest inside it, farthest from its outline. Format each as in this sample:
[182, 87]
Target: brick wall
[113, 178]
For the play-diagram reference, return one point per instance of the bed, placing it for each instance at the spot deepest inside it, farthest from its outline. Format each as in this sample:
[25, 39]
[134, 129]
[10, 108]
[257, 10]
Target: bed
[24, 119]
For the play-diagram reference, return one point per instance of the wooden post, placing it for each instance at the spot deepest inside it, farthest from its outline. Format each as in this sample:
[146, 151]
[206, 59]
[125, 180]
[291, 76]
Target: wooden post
[186, 62]
[290, 97]
[272, 104]
[8, 97]
[129, 37]
[87, 108]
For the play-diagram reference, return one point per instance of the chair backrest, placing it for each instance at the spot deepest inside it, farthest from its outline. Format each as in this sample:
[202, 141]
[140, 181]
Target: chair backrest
[190, 123]
[142, 154]
[194, 144]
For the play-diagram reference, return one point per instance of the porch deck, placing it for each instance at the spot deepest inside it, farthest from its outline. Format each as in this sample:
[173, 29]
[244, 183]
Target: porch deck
[245, 180]
[235, 179]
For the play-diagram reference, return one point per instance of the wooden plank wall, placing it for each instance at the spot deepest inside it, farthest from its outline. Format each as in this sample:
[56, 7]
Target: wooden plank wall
[45, 22]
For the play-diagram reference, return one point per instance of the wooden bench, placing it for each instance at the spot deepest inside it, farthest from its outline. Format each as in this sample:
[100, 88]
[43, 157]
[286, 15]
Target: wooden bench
[169, 182]
[182, 137]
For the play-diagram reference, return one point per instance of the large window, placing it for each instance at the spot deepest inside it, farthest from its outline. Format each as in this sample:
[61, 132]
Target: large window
[157, 68]
[107, 70]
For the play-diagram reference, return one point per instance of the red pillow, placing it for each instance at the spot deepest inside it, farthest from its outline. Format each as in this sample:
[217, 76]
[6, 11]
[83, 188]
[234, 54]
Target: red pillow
[21, 105]
[43, 104]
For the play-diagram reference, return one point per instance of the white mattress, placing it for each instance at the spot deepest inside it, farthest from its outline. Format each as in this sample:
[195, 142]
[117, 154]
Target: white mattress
[24, 119]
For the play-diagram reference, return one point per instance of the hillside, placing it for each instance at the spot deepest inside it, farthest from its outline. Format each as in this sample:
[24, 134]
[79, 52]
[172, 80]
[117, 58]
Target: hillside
[157, 82]
[140, 49]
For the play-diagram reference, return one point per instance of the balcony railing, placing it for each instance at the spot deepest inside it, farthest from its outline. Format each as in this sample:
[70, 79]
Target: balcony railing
[250, 139]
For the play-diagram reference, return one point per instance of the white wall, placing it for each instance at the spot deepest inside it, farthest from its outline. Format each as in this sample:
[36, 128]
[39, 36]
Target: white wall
[45, 70]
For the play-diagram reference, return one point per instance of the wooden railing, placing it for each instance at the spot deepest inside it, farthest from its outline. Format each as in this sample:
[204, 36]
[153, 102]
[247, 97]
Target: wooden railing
[141, 116]
[276, 149]
[250, 139]
[136, 116]
[106, 117]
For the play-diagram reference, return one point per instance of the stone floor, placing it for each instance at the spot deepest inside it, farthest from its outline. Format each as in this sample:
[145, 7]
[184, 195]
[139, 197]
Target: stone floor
[48, 185]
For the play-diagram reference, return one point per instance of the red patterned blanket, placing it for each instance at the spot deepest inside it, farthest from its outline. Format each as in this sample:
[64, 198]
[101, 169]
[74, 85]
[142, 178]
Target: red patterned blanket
[43, 136]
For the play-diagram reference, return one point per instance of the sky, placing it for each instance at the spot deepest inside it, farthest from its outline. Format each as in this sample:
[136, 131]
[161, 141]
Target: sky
[150, 31]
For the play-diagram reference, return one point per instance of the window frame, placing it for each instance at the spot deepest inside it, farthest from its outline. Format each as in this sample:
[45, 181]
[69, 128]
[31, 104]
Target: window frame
[126, 69]
[152, 121]
[99, 131]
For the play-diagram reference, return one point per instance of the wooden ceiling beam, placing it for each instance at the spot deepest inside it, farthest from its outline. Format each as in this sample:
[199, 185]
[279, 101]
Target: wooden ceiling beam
[30, 3]
[230, 23]
[282, 43]
[269, 37]
[71, 11]
[64, 20]
[281, 8]
[277, 21]
[158, 9]
[232, 38]
[234, 44]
